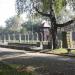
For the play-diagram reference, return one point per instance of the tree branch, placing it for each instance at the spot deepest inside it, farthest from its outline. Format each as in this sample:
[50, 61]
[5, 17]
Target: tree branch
[43, 14]
[65, 24]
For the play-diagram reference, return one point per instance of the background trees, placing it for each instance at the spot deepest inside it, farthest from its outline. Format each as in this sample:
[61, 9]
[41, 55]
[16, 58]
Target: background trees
[14, 23]
[30, 26]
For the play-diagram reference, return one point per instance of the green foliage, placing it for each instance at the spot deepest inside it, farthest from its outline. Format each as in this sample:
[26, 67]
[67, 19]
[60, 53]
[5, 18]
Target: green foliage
[29, 26]
[13, 23]
[46, 5]
[58, 5]
[23, 30]
[43, 5]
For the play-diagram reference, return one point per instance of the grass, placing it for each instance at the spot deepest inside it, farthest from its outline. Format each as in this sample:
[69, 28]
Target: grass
[6, 69]
[73, 51]
[62, 51]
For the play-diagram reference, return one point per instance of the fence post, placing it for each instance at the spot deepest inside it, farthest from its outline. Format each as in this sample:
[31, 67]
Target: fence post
[28, 37]
[25, 38]
[4, 40]
[71, 41]
[32, 37]
[14, 37]
[0, 38]
[8, 38]
[65, 38]
[37, 36]
[42, 37]
[20, 38]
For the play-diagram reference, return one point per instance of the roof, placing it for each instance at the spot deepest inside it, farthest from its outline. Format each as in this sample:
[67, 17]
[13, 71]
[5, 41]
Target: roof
[45, 23]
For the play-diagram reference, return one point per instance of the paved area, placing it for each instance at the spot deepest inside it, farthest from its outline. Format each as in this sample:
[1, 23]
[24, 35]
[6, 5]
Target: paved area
[6, 53]
[49, 64]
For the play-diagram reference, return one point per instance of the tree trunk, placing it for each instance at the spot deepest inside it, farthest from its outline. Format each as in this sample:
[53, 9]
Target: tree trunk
[53, 26]
[54, 37]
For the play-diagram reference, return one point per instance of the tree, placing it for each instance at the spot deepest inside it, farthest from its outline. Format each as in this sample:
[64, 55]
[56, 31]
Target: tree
[31, 26]
[13, 23]
[48, 8]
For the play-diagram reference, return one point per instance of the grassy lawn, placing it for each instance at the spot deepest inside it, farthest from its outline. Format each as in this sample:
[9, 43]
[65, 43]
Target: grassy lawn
[6, 69]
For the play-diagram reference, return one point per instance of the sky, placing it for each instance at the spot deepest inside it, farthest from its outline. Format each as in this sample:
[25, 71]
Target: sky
[7, 10]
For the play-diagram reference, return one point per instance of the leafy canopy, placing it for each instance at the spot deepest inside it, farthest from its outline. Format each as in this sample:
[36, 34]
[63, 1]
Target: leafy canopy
[43, 5]
[58, 5]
